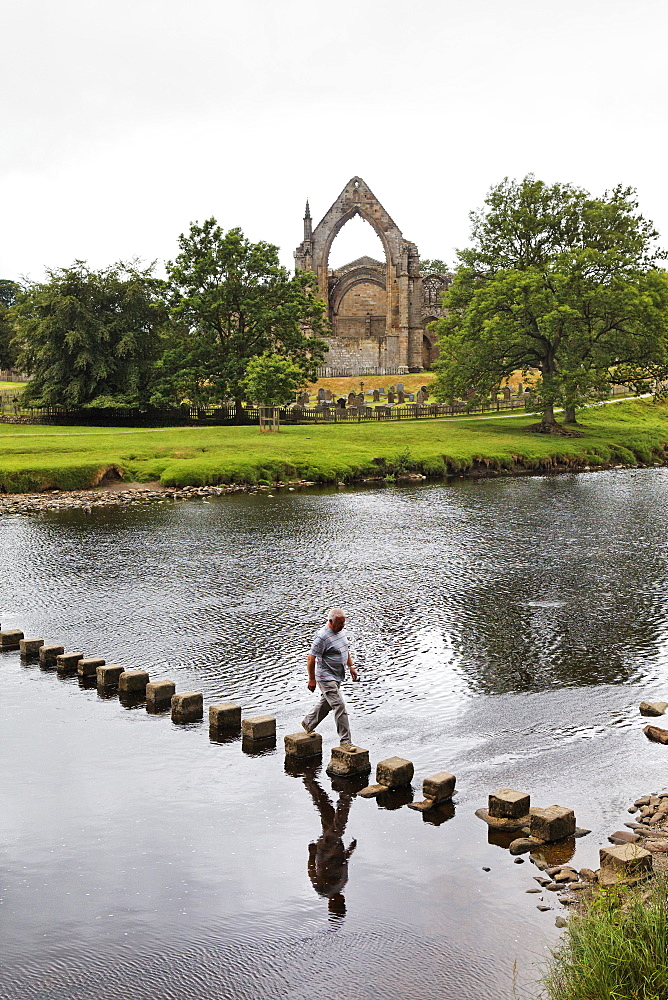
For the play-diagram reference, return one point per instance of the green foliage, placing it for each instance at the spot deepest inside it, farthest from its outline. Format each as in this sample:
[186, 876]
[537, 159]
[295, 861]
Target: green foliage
[9, 291]
[617, 947]
[231, 301]
[431, 266]
[272, 380]
[559, 283]
[86, 335]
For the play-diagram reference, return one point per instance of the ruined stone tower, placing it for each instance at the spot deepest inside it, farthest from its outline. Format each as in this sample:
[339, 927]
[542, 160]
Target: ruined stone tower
[377, 309]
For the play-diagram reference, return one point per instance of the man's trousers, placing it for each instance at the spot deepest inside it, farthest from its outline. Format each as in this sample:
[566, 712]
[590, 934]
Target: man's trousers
[331, 700]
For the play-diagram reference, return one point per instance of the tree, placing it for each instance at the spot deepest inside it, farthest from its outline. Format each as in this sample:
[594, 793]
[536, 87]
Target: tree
[232, 301]
[559, 282]
[431, 266]
[8, 293]
[272, 380]
[90, 337]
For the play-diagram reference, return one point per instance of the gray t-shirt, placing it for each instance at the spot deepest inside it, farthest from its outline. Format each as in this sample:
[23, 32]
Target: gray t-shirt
[331, 654]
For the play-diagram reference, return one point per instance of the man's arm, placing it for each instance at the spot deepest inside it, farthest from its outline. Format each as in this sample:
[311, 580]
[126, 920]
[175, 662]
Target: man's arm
[353, 673]
[310, 666]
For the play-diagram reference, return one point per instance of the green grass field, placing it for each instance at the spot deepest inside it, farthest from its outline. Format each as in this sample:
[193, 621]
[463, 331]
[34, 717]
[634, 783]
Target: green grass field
[35, 458]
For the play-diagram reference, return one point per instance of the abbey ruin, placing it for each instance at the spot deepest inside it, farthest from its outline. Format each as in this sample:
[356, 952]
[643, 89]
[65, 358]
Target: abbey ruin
[378, 309]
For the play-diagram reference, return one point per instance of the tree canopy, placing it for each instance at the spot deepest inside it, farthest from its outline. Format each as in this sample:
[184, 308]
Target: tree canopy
[272, 380]
[231, 301]
[431, 266]
[561, 283]
[89, 337]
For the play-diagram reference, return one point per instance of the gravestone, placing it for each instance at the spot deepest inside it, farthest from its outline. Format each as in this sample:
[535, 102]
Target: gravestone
[390, 397]
[391, 389]
[411, 397]
[520, 389]
[401, 396]
[328, 395]
[400, 386]
[420, 398]
[321, 395]
[376, 395]
[352, 399]
[506, 393]
[360, 399]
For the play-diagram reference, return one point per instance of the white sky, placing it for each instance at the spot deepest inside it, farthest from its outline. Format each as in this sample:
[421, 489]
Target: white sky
[123, 122]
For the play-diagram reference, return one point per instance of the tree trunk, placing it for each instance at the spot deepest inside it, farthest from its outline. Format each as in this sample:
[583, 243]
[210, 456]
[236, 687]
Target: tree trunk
[569, 415]
[548, 420]
[238, 411]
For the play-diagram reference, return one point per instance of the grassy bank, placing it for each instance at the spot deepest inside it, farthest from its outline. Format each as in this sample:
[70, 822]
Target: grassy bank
[34, 458]
[615, 947]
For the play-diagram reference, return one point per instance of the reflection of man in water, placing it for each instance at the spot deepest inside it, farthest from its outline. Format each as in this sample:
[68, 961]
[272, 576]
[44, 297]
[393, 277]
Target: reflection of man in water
[327, 857]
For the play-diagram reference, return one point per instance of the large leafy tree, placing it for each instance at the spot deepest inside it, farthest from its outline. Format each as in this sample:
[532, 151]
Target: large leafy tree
[231, 300]
[90, 337]
[8, 293]
[557, 282]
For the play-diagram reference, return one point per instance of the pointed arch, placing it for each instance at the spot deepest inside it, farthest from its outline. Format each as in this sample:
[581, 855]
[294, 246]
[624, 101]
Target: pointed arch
[403, 325]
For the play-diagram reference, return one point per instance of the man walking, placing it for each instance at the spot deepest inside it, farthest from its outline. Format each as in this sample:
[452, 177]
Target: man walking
[326, 665]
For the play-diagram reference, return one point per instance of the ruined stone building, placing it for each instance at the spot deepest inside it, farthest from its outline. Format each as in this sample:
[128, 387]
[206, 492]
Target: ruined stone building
[378, 309]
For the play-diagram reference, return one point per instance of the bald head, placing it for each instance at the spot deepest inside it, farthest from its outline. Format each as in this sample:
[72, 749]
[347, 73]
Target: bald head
[336, 619]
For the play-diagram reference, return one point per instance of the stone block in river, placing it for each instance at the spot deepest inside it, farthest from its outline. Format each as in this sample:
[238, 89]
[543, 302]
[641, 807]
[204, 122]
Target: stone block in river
[394, 772]
[48, 655]
[372, 791]
[30, 647]
[553, 823]
[259, 727]
[225, 715]
[625, 861]
[656, 734]
[108, 676]
[133, 682]
[159, 695]
[508, 804]
[88, 666]
[653, 707]
[523, 844]
[10, 638]
[188, 706]
[349, 761]
[68, 663]
[440, 787]
[303, 745]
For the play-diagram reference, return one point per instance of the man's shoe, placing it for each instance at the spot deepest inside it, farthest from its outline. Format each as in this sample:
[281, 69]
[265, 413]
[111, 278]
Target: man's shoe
[348, 746]
[309, 732]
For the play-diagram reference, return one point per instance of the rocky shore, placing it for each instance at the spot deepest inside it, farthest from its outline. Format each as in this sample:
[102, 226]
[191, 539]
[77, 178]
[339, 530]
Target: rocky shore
[120, 493]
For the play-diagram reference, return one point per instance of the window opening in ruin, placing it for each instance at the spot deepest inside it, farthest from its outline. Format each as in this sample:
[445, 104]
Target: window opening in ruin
[357, 238]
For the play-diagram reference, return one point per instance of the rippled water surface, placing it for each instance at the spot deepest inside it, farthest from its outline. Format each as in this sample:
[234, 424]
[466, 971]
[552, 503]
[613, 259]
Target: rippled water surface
[506, 631]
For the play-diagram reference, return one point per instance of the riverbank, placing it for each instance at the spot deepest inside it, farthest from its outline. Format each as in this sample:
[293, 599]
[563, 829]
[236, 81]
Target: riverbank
[34, 460]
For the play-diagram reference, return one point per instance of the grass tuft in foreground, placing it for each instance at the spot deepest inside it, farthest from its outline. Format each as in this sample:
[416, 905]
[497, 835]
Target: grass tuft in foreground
[616, 948]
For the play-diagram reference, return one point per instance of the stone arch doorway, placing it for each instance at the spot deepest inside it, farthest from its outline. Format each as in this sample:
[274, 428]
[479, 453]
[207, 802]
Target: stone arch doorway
[429, 351]
[387, 297]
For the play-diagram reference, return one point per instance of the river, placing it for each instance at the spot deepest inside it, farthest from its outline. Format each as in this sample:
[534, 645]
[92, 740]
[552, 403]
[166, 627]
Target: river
[506, 630]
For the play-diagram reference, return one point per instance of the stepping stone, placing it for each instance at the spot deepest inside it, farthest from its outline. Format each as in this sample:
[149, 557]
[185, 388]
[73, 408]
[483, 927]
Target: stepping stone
[49, 654]
[10, 638]
[259, 727]
[656, 735]
[303, 744]
[133, 682]
[30, 647]
[188, 706]
[225, 715]
[653, 707]
[395, 772]
[348, 762]
[159, 695]
[553, 823]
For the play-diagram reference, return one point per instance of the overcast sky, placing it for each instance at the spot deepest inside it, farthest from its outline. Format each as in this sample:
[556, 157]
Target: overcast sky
[123, 122]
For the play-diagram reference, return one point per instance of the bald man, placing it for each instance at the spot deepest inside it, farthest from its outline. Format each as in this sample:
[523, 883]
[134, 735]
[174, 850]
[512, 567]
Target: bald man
[326, 665]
